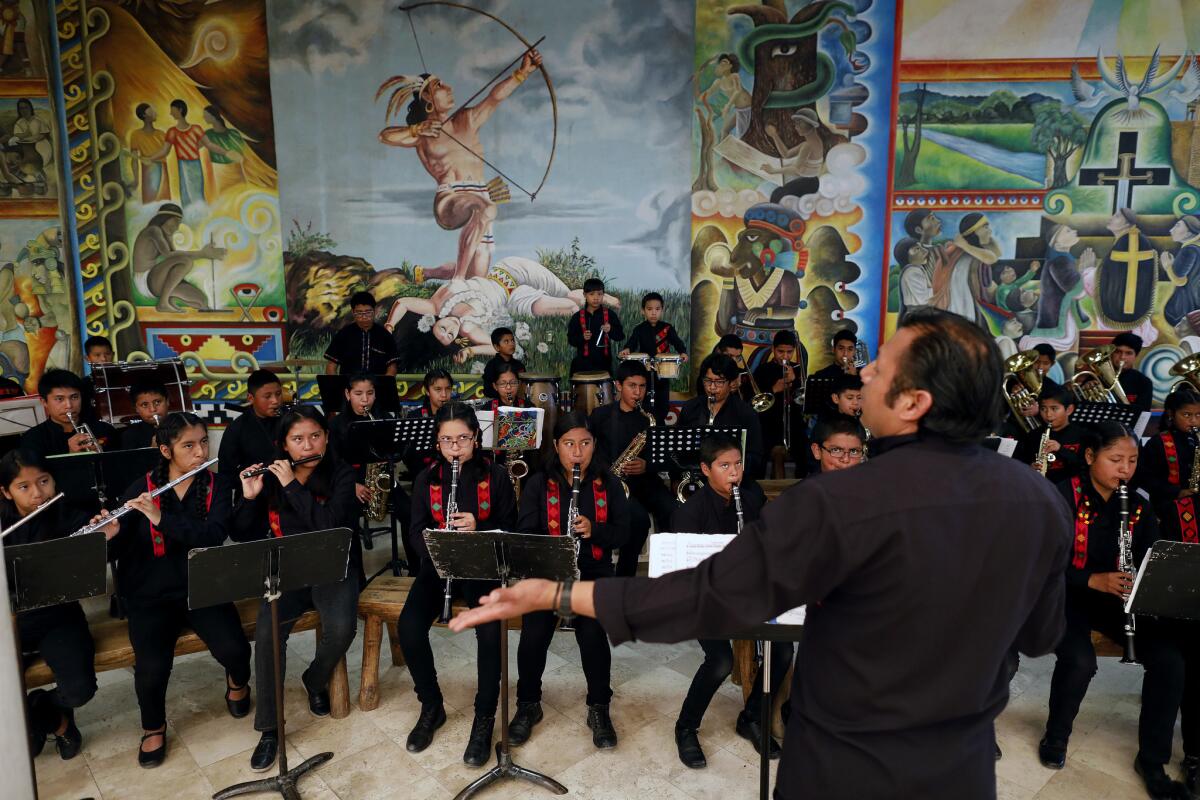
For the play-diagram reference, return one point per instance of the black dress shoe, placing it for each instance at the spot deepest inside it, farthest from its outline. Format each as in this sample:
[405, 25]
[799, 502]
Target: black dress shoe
[70, 742]
[240, 708]
[604, 735]
[153, 758]
[318, 702]
[999, 755]
[688, 743]
[35, 702]
[521, 727]
[1191, 774]
[433, 716]
[748, 728]
[1158, 784]
[265, 752]
[1052, 753]
[479, 745]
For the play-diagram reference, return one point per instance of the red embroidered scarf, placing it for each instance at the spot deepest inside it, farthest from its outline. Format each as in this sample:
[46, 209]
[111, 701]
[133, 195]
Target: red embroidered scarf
[587, 332]
[157, 542]
[483, 497]
[554, 510]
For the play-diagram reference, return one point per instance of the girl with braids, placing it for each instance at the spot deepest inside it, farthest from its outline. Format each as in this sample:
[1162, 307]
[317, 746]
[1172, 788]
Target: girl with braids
[1095, 591]
[60, 633]
[602, 526]
[151, 549]
[485, 499]
[288, 500]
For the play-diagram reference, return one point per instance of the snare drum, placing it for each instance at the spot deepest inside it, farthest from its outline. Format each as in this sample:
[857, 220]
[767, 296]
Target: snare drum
[114, 384]
[668, 366]
[591, 390]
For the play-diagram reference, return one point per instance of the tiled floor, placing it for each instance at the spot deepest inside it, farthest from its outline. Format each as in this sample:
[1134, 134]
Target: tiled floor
[209, 751]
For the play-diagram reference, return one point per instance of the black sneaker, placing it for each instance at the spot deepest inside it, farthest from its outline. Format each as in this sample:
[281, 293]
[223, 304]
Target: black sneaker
[604, 735]
[1158, 784]
[687, 741]
[479, 745]
[521, 727]
[749, 729]
[265, 752]
[433, 716]
[1191, 774]
[71, 741]
[1052, 753]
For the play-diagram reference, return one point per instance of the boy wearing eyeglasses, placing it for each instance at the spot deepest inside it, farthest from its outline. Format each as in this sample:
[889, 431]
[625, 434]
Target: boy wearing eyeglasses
[719, 402]
[838, 443]
[364, 346]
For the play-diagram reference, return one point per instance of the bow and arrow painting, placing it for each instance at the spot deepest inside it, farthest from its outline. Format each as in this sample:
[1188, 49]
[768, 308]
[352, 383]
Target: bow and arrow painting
[445, 188]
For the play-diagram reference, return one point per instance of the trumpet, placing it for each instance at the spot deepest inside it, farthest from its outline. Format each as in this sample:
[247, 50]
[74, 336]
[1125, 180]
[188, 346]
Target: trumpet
[761, 401]
[123, 510]
[1021, 385]
[250, 473]
[82, 427]
[1098, 380]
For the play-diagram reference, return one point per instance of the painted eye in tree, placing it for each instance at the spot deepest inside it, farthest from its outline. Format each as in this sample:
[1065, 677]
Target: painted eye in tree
[788, 49]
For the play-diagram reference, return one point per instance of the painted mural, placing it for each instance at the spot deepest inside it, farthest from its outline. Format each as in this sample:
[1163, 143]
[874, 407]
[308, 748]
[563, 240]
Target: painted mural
[1047, 176]
[174, 184]
[568, 160]
[791, 146]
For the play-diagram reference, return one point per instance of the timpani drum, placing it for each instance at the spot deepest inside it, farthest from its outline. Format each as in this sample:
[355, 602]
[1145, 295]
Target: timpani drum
[114, 382]
[668, 366]
[591, 390]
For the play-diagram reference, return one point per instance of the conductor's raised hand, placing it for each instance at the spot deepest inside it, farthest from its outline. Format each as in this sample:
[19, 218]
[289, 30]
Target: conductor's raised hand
[145, 504]
[523, 597]
[252, 486]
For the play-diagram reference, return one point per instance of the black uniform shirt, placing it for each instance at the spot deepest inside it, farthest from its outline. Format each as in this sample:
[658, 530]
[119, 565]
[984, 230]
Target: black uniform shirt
[355, 350]
[645, 338]
[1154, 472]
[1068, 459]
[735, 413]
[598, 358]
[927, 578]
[138, 435]
[595, 553]
[249, 439]
[1103, 551]
[502, 514]
[708, 512]
[49, 439]
[1138, 389]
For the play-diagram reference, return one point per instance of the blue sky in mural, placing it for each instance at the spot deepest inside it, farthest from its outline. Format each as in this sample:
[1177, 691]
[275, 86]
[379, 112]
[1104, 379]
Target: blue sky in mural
[620, 175]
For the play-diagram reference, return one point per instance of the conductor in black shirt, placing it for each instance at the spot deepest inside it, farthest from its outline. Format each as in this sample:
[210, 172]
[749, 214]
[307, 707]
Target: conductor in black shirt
[1138, 388]
[946, 577]
[365, 346]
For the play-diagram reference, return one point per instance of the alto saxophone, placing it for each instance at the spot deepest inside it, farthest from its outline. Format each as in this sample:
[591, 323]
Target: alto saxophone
[1044, 458]
[379, 481]
[632, 451]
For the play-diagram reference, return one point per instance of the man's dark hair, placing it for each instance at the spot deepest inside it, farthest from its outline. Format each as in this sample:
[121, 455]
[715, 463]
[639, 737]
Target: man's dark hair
[58, 379]
[713, 445]
[722, 365]
[784, 337]
[846, 383]
[437, 374]
[1130, 340]
[96, 341]
[1046, 350]
[141, 388]
[845, 335]
[912, 222]
[1056, 392]
[362, 299]
[500, 333]
[631, 369]
[593, 285]
[958, 363]
[728, 341]
[260, 378]
[830, 426]
[650, 297]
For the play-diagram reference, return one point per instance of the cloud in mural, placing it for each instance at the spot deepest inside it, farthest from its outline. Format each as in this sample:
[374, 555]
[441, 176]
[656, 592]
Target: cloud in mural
[667, 235]
[725, 202]
[323, 35]
[840, 185]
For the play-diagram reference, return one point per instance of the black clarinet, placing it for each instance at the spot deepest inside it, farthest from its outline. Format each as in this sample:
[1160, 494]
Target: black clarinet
[1125, 540]
[451, 510]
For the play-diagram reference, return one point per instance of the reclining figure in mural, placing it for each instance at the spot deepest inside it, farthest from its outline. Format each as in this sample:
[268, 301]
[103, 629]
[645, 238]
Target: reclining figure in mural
[461, 315]
[448, 144]
[154, 253]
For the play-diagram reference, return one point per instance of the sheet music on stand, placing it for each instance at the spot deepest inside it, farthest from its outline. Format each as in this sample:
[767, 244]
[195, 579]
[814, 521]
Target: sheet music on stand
[1091, 413]
[665, 445]
[489, 426]
[20, 414]
[391, 437]
[670, 552]
[1167, 584]
[1004, 445]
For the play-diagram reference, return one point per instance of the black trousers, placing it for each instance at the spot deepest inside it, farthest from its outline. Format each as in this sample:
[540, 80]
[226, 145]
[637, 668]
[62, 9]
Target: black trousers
[1158, 649]
[537, 630]
[718, 664]
[153, 631]
[60, 634]
[421, 609]
[1189, 711]
[337, 603]
[648, 497]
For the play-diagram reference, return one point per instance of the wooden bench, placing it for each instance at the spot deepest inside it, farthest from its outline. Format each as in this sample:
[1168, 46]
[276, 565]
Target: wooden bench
[113, 651]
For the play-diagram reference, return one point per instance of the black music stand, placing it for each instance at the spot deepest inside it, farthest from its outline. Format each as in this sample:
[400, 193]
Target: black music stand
[1167, 584]
[667, 446]
[87, 477]
[765, 634]
[56, 571]
[332, 389]
[817, 392]
[1090, 413]
[390, 440]
[488, 556]
[266, 568]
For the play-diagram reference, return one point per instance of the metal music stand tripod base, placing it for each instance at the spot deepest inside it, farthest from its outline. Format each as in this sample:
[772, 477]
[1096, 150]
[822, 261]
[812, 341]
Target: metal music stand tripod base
[488, 555]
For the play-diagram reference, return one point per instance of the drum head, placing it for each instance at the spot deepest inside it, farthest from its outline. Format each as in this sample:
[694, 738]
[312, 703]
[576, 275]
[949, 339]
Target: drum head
[590, 377]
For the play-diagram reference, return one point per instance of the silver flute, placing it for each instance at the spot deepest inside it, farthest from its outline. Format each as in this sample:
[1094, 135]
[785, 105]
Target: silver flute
[451, 510]
[737, 506]
[123, 510]
[31, 515]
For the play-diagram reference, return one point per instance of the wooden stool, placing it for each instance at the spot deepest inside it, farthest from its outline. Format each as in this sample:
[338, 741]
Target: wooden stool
[379, 604]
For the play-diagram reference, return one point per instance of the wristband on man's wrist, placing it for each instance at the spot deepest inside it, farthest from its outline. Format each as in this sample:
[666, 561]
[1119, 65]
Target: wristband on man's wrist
[563, 604]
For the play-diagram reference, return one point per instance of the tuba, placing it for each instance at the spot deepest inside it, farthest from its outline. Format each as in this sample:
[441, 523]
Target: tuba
[1097, 381]
[1187, 368]
[1021, 385]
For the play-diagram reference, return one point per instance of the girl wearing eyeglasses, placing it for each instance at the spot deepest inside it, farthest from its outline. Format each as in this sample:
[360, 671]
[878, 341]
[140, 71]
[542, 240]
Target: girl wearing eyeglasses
[485, 500]
[602, 526]
[507, 386]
